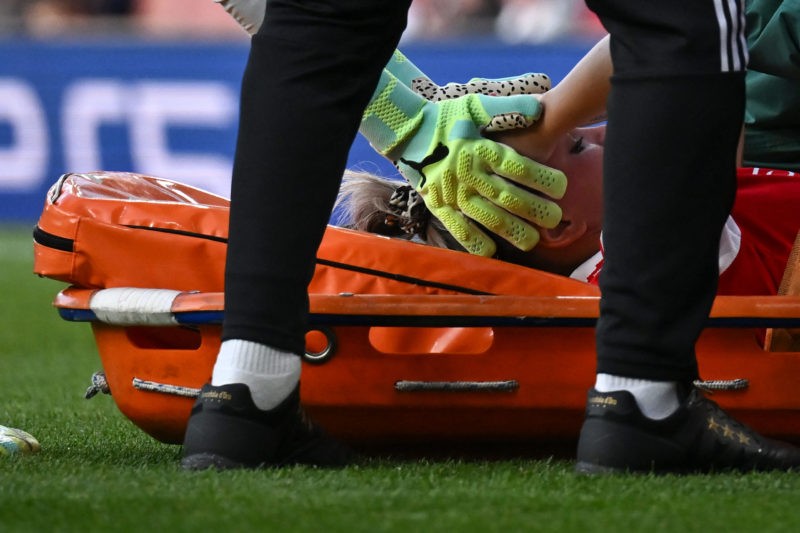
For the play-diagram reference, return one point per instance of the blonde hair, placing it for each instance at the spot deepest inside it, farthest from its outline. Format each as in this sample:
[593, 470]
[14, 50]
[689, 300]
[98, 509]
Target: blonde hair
[363, 204]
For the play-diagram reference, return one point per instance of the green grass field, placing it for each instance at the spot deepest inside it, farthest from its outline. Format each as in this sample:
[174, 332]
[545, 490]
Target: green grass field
[97, 471]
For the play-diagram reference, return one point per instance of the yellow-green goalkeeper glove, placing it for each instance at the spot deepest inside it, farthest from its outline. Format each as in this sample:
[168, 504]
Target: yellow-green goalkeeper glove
[462, 176]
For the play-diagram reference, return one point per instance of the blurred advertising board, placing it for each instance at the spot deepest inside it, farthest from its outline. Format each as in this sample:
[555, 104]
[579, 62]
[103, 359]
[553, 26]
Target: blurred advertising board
[169, 109]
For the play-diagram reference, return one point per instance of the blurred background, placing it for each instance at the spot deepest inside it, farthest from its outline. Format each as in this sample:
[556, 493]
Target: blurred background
[152, 86]
[512, 21]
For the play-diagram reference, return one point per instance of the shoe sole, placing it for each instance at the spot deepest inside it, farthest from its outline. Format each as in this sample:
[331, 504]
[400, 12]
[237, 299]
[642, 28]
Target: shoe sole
[210, 461]
[591, 469]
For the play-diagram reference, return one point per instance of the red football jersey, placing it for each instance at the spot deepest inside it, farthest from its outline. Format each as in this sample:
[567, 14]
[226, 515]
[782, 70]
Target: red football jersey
[767, 212]
[757, 238]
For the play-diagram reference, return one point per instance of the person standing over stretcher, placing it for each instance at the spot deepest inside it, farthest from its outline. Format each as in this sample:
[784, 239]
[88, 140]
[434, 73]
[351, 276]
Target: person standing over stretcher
[678, 81]
[322, 61]
[641, 403]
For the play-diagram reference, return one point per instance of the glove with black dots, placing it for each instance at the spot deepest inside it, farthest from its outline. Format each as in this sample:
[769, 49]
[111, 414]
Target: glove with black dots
[464, 177]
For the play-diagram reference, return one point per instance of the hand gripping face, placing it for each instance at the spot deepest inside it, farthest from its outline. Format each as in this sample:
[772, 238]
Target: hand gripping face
[465, 178]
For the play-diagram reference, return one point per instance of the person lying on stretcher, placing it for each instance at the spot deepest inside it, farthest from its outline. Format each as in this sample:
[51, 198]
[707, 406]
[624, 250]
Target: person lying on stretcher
[754, 246]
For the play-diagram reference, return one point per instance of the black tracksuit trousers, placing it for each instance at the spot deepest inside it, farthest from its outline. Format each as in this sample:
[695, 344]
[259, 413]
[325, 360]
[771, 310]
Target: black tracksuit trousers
[312, 69]
[675, 112]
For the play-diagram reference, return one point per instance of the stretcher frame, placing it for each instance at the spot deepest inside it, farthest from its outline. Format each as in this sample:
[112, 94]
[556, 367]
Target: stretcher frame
[364, 391]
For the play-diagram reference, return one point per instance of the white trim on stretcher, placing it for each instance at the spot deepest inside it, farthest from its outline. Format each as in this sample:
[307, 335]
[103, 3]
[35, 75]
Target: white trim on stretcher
[153, 307]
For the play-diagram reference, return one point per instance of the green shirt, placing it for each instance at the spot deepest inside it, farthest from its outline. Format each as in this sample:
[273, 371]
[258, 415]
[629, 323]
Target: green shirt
[772, 117]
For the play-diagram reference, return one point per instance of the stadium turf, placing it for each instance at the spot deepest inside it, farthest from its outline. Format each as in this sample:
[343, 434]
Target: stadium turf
[98, 471]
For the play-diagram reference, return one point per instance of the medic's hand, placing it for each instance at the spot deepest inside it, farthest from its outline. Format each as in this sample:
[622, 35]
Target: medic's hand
[463, 177]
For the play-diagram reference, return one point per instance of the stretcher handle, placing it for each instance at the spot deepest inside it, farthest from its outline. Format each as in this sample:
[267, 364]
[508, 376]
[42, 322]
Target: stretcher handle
[471, 310]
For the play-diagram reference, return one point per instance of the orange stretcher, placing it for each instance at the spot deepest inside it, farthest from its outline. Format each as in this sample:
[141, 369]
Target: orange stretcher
[407, 343]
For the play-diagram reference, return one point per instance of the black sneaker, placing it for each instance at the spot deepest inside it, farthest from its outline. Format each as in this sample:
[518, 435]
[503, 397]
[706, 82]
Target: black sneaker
[698, 437]
[226, 430]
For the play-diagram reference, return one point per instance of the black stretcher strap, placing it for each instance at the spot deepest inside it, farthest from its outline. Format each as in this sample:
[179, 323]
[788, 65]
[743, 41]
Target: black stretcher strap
[56, 242]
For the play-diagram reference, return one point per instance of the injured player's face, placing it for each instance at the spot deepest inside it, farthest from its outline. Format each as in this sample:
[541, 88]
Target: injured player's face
[579, 155]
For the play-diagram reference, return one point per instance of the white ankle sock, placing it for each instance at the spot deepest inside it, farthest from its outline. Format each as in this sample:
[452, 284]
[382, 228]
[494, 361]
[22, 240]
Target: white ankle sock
[271, 374]
[656, 399]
